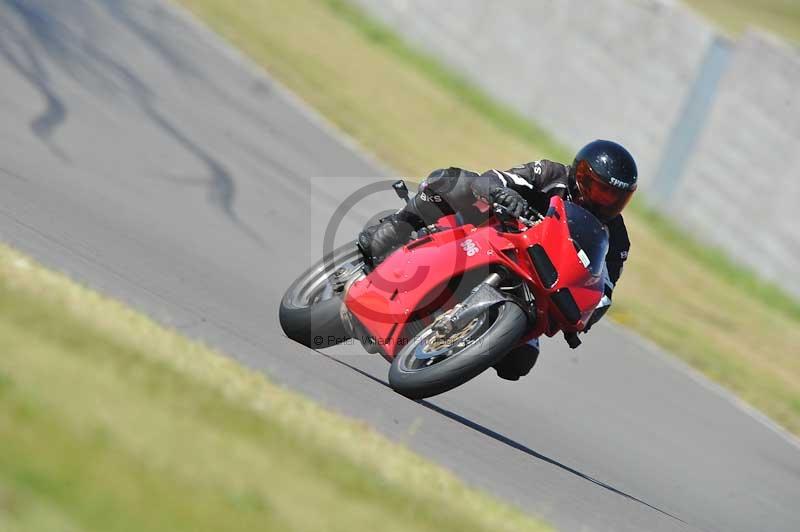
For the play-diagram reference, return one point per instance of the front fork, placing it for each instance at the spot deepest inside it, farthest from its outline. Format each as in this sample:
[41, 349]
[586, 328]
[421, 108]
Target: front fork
[483, 297]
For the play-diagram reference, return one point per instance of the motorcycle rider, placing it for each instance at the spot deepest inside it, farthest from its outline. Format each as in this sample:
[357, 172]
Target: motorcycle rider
[602, 179]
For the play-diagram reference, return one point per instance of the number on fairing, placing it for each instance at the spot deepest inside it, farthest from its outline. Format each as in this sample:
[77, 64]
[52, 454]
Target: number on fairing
[470, 247]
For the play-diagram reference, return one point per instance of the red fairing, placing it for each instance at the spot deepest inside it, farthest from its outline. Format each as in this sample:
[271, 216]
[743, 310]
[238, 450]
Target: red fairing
[418, 278]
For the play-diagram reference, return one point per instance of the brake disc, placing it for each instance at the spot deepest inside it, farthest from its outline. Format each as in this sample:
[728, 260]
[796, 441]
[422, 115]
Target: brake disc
[438, 342]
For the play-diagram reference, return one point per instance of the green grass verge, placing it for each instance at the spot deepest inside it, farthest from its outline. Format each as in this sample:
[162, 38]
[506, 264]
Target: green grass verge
[110, 423]
[718, 262]
[416, 115]
[778, 16]
[493, 111]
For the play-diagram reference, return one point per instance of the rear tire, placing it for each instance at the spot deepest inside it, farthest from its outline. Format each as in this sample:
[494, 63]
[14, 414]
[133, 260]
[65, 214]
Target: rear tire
[309, 310]
[500, 330]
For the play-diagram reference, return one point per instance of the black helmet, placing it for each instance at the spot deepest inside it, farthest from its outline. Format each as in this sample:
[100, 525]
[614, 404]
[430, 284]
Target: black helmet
[605, 176]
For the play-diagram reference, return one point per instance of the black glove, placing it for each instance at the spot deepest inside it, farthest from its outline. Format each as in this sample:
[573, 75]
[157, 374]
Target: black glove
[511, 200]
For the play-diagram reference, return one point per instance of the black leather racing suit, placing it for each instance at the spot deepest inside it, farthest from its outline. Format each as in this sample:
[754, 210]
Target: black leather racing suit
[455, 190]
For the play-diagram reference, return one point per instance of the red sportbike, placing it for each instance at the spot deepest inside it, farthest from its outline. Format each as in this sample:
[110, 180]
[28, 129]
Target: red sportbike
[456, 299]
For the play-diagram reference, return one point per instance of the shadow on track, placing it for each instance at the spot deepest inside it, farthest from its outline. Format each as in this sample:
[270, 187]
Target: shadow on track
[506, 440]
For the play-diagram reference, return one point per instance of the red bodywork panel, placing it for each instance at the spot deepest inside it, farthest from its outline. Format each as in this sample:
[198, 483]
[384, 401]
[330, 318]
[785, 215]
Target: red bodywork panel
[416, 277]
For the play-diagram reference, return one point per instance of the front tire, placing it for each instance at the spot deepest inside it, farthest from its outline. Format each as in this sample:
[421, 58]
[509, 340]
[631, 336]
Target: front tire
[416, 374]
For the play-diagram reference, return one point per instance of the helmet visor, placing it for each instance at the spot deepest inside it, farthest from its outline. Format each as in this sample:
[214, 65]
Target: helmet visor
[603, 199]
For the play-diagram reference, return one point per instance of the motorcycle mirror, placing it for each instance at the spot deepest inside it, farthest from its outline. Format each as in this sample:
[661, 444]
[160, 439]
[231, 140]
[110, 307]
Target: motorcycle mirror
[401, 189]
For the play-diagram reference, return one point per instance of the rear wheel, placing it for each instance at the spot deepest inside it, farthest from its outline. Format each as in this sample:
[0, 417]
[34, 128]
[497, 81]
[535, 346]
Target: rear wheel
[431, 364]
[309, 310]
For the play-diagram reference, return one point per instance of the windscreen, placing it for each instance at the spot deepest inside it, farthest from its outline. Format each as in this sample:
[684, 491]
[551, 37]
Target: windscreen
[589, 235]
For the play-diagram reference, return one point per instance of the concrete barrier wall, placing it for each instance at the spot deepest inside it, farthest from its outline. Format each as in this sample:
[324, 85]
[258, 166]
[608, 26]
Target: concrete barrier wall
[583, 70]
[741, 186]
[699, 113]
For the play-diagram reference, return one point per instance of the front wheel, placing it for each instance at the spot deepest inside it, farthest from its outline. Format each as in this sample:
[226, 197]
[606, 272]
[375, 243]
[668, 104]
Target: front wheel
[430, 364]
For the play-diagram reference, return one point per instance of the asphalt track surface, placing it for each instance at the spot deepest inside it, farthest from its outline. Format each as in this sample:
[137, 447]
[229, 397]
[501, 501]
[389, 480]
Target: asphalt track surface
[147, 160]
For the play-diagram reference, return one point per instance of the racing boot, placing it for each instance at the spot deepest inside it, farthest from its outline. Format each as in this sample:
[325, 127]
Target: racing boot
[519, 361]
[378, 241]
